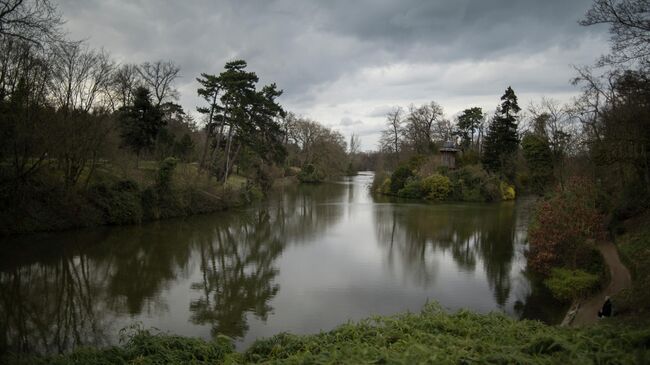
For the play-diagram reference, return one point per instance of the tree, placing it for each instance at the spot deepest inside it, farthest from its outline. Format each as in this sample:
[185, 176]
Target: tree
[159, 77]
[391, 137]
[353, 150]
[469, 122]
[125, 80]
[33, 21]
[319, 147]
[79, 88]
[629, 26]
[140, 123]
[424, 126]
[239, 117]
[502, 140]
[539, 159]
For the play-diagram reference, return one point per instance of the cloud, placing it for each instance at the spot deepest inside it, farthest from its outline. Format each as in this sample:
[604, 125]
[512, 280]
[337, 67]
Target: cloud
[347, 122]
[339, 58]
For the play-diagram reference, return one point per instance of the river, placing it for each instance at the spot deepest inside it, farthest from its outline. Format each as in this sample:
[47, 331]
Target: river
[309, 258]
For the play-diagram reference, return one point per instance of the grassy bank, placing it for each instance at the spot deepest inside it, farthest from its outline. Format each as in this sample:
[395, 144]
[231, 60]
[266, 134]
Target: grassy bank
[431, 336]
[116, 196]
[634, 247]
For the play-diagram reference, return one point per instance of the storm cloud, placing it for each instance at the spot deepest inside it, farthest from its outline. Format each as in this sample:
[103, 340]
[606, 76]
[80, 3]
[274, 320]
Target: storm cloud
[345, 62]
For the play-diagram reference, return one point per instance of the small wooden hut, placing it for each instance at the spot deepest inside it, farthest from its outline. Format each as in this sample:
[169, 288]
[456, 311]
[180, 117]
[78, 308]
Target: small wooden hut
[448, 154]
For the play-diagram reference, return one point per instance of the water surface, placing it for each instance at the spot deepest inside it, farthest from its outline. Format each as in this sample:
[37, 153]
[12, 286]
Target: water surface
[308, 259]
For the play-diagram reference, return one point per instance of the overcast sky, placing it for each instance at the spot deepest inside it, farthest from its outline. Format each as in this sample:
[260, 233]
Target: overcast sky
[344, 62]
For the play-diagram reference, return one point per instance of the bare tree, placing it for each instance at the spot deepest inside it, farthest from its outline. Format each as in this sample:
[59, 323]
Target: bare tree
[355, 143]
[159, 77]
[79, 88]
[81, 77]
[423, 126]
[34, 21]
[391, 137]
[629, 26]
[125, 80]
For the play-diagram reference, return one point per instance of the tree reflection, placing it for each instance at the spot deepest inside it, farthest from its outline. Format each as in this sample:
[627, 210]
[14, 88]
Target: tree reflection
[416, 233]
[52, 305]
[237, 267]
[59, 291]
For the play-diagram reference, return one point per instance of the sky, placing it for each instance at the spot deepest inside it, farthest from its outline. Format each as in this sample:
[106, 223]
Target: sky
[345, 63]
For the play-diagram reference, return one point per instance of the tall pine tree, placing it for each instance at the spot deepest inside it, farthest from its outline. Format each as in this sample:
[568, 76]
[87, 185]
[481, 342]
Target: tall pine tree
[502, 139]
[140, 123]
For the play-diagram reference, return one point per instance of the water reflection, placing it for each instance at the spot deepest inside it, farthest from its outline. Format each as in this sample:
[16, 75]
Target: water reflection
[59, 291]
[237, 266]
[308, 259]
[420, 234]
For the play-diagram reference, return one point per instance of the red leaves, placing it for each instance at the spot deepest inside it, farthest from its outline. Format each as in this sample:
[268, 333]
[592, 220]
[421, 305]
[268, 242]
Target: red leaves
[563, 223]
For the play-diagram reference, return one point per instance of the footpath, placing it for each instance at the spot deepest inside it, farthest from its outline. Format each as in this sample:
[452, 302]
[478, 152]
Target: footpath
[585, 312]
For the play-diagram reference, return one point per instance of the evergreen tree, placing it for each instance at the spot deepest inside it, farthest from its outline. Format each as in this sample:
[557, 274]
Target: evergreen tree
[140, 122]
[539, 158]
[468, 123]
[502, 140]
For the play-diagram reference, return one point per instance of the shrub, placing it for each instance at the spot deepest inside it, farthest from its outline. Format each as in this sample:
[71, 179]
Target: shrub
[377, 180]
[399, 178]
[567, 285]
[472, 183]
[251, 193]
[385, 186]
[563, 224]
[165, 172]
[120, 203]
[507, 191]
[412, 189]
[635, 251]
[436, 187]
[310, 174]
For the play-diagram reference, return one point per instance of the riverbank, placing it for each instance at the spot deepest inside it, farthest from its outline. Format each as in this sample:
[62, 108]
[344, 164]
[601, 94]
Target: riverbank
[430, 336]
[585, 312]
[113, 196]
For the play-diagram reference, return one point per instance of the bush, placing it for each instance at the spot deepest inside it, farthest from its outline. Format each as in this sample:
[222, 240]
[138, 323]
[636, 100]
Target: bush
[507, 191]
[412, 189]
[120, 203]
[563, 225]
[399, 178]
[635, 251]
[165, 172]
[385, 186]
[436, 187]
[472, 183]
[251, 193]
[310, 174]
[567, 285]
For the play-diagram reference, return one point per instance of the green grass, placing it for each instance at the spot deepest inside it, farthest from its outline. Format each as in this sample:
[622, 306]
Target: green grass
[634, 248]
[431, 336]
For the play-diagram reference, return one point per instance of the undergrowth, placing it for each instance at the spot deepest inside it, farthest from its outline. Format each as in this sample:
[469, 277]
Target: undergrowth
[431, 336]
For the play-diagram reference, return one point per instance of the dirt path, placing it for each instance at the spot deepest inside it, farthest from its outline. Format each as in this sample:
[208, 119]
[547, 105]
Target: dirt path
[587, 311]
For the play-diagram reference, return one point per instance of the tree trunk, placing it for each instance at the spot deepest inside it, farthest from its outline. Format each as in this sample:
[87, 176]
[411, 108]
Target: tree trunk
[228, 146]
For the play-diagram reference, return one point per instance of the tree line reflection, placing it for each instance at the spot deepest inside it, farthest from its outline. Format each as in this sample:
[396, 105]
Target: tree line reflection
[64, 290]
[415, 234]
